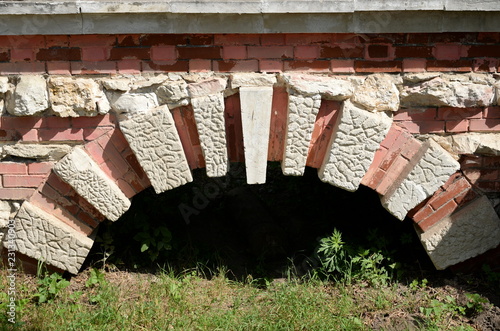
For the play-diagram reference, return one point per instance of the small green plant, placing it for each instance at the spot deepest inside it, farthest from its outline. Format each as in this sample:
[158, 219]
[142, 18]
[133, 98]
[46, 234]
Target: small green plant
[49, 287]
[154, 241]
[96, 278]
[416, 285]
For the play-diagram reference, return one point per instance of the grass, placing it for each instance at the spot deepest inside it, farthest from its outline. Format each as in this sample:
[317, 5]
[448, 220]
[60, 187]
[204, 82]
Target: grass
[118, 300]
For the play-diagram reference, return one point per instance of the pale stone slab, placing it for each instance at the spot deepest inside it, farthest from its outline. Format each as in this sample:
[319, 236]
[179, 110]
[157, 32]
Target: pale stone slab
[207, 87]
[209, 117]
[48, 152]
[30, 96]
[432, 170]
[252, 79]
[469, 232]
[46, 238]
[357, 135]
[172, 92]
[302, 112]
[156, 144]
[4, 84]
[329, 88]
[256, 105]
[377, 93]
[84, 175]
[76, 97]
[128, 103]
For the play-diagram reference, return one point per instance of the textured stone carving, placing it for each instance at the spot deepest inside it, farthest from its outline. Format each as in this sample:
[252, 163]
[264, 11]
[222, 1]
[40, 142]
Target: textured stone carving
[302, 112]
[377, 93]
[256, 104]
[431, 171]
[452, 91]
[156, 144]
[357, 135]
[84, 175]
[209, 117]
[77, 97]
[44, 237]
[329, 88]
[30, 96]
[469, 232]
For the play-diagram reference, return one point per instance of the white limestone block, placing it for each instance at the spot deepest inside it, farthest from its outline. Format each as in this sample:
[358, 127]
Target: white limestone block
[30, 96]
[302, 112]
[329, 88]
[256, 105]
[252, 79]
[357, 136]
[46, 238]
[84, 175]
[209, 118]
[156, 144]
[4, 84]
[377, 93]
[469, 232]
[207, 87]
[128, 103]
[432, 170]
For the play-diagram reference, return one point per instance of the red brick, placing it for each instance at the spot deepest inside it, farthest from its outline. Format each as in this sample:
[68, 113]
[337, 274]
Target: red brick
[272, 39]
[94, 53]
[40, 167]
[488, 37]
[13, 122]
[165, 66]
[164, 39]
[95, 151]
[472, 175]
[451, 113]
[162, 53]
[491, 112]
[27, 41]
[87, 67]
[453, 37]
[471, 161]
[58, 184]
[200, 65]
[52, 122]
[308, 38]
[4, 55]
[490, 174]
[112, 155]
[449, 65]
[491, 162]
[236, 39]
[22, 180]
[9, 135]
[104, 121]
[277, 132]
[414, 65]
[342, 66]
[392, 153]
[22, 68]
[90, 134]
[119, 141]
[306, 52]
[19, 55]
[392, 174]
[210, 52]
[94, 40]
[413, 52]
[447, 51]
[234, 66]
[489, 186]
[305, 65]
[454, 190]
[393, 134]
[130, 40]
[485, 65]
[234, 129]
[415, 114]
[59, 54]
[59, 68]
[16, 193]
[133, 179]
[484, 125]
[484, 51]
[423, 126]
[373, 178]
[56, 41]
[201, 39]
[438, 215]
[234, 52]
[378, 157]
[87, 219]
[28, 135]
[465, 197]
[141, 175]
[385, 52]
[126, 188]
[378, 66]
[346, 51]
[129, 67]
[60, 135]
[457, 126]
[422, 213]
[270, 66]
[13, 168]
[411, 148]
[270, 52]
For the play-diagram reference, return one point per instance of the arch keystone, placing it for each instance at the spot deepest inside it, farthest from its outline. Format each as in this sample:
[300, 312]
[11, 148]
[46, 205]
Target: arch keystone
[44, 237]
[89, 181]
[357, 135]
[153, 138]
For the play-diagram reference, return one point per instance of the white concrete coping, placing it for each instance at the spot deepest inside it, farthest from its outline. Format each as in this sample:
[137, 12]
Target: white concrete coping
[252, 16]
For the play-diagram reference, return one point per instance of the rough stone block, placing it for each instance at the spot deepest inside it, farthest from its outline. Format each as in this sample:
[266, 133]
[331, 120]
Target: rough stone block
[46, 238]
[432, 170]
[469, 232]
[156, 144]
[252, 79]
[30, 96]
[89, 181]
[377, 93]
[256, 104]
[209, 117]
[328, 88]
[357, 136]
[302, 112]
[207, 87]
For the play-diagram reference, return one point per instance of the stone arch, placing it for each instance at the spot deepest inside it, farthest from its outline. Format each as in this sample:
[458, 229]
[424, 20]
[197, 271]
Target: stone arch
[253, 118]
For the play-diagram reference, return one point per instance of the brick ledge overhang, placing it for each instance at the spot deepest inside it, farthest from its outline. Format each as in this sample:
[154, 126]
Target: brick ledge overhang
[261, 16]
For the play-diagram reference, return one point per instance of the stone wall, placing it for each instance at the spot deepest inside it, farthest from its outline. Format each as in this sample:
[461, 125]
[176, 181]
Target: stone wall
[89, 121]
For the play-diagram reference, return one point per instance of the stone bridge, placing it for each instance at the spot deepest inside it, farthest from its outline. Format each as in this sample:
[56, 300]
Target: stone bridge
[91, 119]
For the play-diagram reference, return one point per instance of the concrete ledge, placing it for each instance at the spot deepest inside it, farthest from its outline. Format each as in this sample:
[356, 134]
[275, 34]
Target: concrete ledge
[254, 16]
